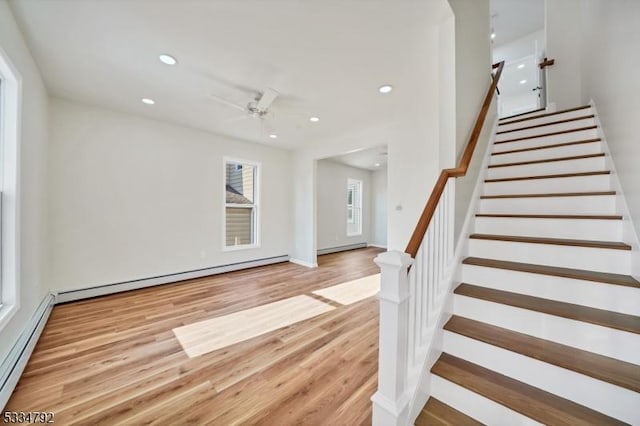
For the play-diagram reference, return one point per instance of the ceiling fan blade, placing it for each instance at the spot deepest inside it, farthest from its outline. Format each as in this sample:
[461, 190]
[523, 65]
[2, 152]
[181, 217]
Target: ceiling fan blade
[227, 102]
[267, 99]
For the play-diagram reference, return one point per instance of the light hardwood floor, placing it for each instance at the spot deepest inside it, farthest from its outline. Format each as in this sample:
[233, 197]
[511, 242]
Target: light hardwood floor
[116, 360]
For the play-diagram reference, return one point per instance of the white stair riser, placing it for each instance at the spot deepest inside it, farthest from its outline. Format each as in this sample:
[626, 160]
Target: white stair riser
[594, 259]
[547, 140]
[609, 297]
[539, 186]
[543, 154]
[476, 406]
[544, 120]
[585, 229]
[591, 205]
[598, 395]
[592, 164]
[551, 128]
[589, 337]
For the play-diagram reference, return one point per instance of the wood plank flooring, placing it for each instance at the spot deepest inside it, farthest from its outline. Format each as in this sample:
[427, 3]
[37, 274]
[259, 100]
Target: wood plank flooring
[116, 360]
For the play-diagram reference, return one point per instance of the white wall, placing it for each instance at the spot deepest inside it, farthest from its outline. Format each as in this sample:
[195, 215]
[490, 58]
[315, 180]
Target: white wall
[473, 68]
[332, 204]
[33, 188]
[378, 231]
[609, 74]
[563, 34]
[529, 44]
[134, 198]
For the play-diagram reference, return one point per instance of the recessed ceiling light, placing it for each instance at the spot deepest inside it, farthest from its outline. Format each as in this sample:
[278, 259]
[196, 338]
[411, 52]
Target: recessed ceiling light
[314, 119]
[273, 136]
[148, 101]
[377, 164]
[385, 88]
[167, 59]
[520, 66]
[493, 35]
[523, 81]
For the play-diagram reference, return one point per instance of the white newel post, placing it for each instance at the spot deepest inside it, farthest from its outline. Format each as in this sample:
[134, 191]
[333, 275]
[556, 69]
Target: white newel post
[391, 401]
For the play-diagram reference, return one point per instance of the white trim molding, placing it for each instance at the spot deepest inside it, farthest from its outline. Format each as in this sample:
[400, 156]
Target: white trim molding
[347, 247]
[303, 263]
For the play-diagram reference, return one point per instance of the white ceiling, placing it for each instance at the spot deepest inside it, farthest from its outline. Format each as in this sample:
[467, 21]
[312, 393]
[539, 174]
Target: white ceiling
[364, 159]
[512, 19]
[326, 58]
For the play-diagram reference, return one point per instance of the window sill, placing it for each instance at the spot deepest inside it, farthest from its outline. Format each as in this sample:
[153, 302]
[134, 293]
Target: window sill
[243, 247]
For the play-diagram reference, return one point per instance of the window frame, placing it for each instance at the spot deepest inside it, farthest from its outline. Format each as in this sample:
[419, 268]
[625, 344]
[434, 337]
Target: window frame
[10, 134]
[356, 204]
[255, 206]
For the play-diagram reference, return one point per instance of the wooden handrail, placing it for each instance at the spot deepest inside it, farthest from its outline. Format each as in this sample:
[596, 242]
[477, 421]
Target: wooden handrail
[445, 174]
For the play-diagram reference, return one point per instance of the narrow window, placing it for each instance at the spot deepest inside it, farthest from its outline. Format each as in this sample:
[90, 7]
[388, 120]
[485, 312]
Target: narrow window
[241, 204]
[354, 207]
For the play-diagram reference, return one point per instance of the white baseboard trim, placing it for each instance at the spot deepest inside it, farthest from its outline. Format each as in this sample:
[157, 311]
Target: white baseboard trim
[347, 247]
[102, 290]
[377, 246]
[15, 362]
[303, 263]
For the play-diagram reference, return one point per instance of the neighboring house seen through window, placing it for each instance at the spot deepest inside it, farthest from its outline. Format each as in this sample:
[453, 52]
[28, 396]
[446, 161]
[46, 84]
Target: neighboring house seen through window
[241, 204]
[354, 207]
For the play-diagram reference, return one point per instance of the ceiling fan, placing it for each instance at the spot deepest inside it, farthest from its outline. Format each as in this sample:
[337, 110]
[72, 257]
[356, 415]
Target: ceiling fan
[257, 108]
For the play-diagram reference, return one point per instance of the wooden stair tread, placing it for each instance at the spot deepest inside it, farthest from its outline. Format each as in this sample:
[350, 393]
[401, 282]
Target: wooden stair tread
[551, 123]
[614, 245]
[541, 135]
[578, 274]
[581, 313]
[532, 402]
[554, 176]
[506, 120]
[599, 367]
[548, 160]
[551, 216]
[550, 194]
[437, 413]
[521, 114]
[555, 145]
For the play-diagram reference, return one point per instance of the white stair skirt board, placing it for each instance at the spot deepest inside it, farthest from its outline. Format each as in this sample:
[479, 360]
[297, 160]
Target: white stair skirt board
[542, 185]
[16, 360]
[608, 297]
[547, 140]
[543, 120]
[579, 229]
[476, 406]
[593, 259]
[216, 333]
[612, 400]
[590, 205]
[591, 164]
[102, 290]
[589, 337]
[586, 148]
[352, 291]
[550, 128]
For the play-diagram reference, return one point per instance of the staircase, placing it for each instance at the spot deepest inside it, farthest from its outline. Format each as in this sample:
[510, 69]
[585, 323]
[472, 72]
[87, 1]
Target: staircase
[546, 319]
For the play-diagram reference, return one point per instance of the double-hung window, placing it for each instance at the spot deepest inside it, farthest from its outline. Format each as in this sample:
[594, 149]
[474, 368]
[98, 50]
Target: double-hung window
[241, 212]
[354, 207]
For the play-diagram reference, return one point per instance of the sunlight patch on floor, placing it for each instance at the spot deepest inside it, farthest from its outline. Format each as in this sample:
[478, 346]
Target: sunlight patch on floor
[216, 333]
[352, 291]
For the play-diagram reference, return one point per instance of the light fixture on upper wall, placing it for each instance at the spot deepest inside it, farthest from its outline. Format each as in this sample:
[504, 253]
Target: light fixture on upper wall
[377, 164]
[520, 66]
[493, 35]
[314, 119]
[167, 59]
[148, 101]
[273, 136]
[385, 88]
[523, 81]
